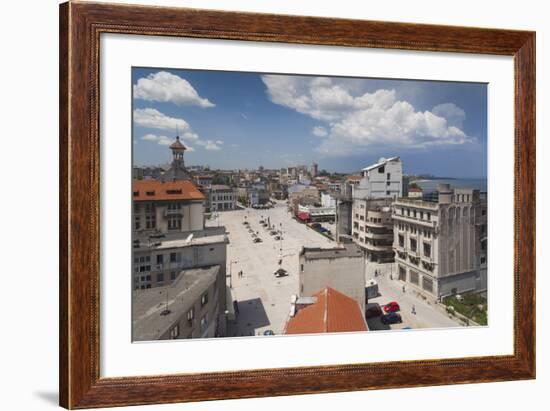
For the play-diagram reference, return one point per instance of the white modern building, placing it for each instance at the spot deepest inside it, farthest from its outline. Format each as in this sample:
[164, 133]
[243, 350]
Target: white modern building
[381, 180]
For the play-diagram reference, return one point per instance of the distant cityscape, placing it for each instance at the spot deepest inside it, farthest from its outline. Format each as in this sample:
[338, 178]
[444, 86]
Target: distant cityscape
[298, 250]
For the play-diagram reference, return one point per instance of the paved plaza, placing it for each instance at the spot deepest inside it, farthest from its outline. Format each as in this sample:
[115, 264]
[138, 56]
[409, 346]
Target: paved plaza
[263, 299]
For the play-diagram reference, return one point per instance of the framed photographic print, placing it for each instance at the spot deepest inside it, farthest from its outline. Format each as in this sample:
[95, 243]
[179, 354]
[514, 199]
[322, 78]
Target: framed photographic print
[258, 205]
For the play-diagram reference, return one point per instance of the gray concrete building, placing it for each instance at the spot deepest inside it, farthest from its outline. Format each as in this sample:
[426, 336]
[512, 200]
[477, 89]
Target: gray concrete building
[189, 307]
[441, 246]
[157, 261]
[341, 268]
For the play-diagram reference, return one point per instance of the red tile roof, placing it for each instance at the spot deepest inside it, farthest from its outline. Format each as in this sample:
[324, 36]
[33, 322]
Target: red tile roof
[332, 312]
[154, 190]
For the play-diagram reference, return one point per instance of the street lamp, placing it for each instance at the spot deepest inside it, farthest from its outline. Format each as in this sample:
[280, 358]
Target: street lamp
[231, 272]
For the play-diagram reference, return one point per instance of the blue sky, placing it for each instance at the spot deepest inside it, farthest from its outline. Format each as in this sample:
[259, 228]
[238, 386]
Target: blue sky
[244, 120]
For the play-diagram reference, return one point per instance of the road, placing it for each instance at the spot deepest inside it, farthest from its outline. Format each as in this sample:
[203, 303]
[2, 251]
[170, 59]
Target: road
[427, 315]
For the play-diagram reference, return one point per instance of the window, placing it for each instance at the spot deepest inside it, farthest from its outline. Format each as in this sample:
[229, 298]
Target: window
[388, 183]
[408, 212]
[387, 193]
[160, 258]
[388, 176]
[402, 273]
[401, 238]
[190, 316]
[204, 298]
[414, 213]
[413, 244]
[175, 332]
[160, 277]
[422, 215]
[173, 275]
[174, 223]
[148, 277]
[427, 250]
[427, 284]
[137, 223]
[381, 170]
[204, 322]
[428, 216]
[414, 277]
[150, 221]
[174, 257]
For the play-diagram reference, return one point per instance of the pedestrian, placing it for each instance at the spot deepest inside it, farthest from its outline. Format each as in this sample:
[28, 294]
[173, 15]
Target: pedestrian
[413, 310]
[403, 288]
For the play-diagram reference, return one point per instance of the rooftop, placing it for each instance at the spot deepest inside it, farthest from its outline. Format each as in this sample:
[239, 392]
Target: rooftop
[177, 144]
[155, 310]
[346, 250]
[189, 240]
[331, 312]
[381, 162]
[154, 190]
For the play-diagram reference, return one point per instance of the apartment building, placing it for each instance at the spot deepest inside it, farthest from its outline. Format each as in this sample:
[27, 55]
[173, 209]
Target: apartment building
[341, 268]
[159, 258]
[440, 246]
[381, 180]
[372, 228]
[189, 307]
[222, 198]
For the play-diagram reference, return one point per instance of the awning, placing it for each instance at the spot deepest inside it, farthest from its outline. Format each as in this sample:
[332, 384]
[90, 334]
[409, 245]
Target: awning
[302, 215]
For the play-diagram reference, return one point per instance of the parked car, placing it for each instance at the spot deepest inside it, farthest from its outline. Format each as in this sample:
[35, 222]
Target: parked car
[374, 311]
[391, 318]
[391, 307]
[273, 232]
[269, 332]
[257, 240]
[277, 237]
[281, 272]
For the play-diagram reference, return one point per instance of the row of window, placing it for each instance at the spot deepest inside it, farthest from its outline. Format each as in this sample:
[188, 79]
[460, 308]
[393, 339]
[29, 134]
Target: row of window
[415, 230]
[414, 278]
[223, 197]
[415, 213]
[426, 249]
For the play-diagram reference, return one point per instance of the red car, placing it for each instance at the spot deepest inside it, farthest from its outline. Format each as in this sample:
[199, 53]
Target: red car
[391, 307]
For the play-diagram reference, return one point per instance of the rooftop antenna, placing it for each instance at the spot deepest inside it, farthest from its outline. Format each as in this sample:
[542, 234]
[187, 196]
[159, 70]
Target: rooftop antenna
[177, 131]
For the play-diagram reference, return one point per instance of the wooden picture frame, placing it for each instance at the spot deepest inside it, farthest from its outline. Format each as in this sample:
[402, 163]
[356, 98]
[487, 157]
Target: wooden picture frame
[80, 27]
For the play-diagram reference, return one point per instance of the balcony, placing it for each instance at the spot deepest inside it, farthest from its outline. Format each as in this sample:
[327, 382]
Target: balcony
[169, 212]
[412, 220]
[379, 236]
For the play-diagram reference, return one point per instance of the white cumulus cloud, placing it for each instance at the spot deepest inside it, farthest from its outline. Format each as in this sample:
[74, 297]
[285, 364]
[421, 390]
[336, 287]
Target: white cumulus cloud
[152, 118]
[164, 140]
[167, 87]
[319, 131]
[361, 119]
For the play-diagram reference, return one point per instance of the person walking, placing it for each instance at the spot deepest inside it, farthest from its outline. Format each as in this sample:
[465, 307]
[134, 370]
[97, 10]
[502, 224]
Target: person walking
[413, 310]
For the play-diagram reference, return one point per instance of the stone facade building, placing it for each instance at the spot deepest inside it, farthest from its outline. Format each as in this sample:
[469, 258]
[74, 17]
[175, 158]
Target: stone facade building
[441, 246]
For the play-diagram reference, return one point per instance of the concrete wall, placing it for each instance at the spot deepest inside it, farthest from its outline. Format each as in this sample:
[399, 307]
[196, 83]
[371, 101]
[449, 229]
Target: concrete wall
[345, 274]
[376, 184]
[192, 213]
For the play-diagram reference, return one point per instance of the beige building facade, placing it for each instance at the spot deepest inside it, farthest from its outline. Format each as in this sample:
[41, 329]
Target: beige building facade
[440, 247]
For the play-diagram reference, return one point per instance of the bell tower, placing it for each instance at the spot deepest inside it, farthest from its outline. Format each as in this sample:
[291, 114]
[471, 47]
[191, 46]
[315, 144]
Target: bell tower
[177, 153]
